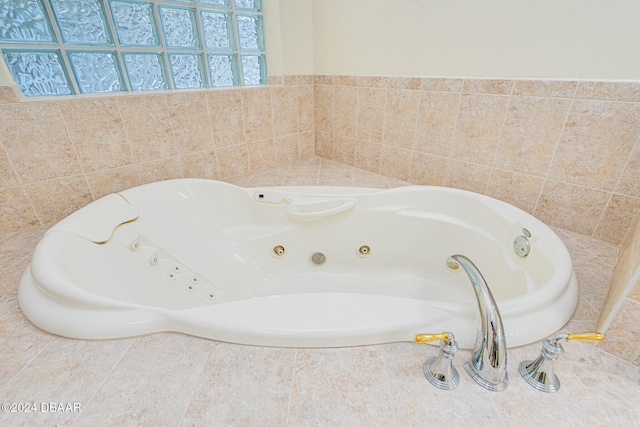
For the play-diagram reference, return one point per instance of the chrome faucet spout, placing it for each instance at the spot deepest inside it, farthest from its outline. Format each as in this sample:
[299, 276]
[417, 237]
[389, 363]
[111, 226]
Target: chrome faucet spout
[488, 363]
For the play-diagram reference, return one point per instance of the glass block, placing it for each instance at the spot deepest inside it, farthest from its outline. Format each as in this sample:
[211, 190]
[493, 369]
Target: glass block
[81, 21]
[249, 4]
[146, 71]
[38, 73]
[183, 1]
[96, 71]
[223, 70]
[219, 3]
[134, 23]
[250, 32]
[216, 27]
[179, 26]
[254, 70]
[187, 70]
[24, 22]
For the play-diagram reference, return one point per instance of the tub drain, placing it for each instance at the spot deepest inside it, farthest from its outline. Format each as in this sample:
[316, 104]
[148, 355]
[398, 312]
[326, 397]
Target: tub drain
[318, 258]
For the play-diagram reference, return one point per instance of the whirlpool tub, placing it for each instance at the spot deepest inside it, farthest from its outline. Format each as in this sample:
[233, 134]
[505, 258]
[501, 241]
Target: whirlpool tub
[295, 266]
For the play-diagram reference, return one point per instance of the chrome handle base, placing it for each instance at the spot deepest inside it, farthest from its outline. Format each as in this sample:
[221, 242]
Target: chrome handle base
[439, 370]
[539, 373]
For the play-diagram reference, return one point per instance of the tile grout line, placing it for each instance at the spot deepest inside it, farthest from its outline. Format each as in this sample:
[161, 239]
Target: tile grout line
[106, 378]
[53, 338]
[293, 376]
[499, 141]
[129, 144]
[193, 392]
[545, 175]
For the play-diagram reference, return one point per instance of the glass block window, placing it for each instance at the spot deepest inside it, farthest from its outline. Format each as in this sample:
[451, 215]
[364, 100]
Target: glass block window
[66, 47]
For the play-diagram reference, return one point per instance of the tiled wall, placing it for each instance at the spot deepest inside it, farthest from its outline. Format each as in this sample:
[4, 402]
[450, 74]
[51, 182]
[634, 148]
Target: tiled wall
[621, 314]
[565, 151]
[58, 155]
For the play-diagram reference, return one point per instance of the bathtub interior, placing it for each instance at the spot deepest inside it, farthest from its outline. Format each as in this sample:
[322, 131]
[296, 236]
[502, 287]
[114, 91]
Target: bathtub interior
[195, 243]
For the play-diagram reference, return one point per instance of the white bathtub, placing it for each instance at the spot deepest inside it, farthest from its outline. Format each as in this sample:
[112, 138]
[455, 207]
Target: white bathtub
[199, 257]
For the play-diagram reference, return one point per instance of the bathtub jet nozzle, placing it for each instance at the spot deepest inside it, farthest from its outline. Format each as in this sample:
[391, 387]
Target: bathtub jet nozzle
[488, 363]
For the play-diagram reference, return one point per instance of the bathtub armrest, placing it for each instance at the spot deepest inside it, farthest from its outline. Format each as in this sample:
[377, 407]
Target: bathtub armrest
[309, 213]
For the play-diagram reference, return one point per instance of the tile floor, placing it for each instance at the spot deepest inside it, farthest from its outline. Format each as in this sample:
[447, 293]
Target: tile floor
[177, 380]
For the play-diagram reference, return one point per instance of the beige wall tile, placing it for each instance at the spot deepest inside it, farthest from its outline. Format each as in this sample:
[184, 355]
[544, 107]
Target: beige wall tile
[233, 160]
[344, 150]
[611, 91]
[287, 148]
[307, 147]
[55, 200]
[324, 145]
[548, 88]
[345, 80]
[7, 95]
[285, 110]
[97, 131]
[200, 165]
[160, 170]
[323, 108]
[596, 143]
[290, 80]
[617, 218]
[488, 86]
[635, 292]
[368, 155]
[345, 111]
[148, 125]
[478, 127]
[400, 118]
[371, 107]
[395, 162]
[258, 114]
[516, 189]
[262, 154]
[466, 176]
[629, 183]
[17, 246]
[110, 181]
[531, 133]
[190, 121]
[36, 141]
[623, 336]
[323, 80]
[571, 207]
[305, 108]
[436, 122]
[442, 84]
[366, 81]
[305, 80]
[427, 169]
[16, 212]
[275, 80]
[226, 116]
[626, 268]
[8, 177]
[411, 83]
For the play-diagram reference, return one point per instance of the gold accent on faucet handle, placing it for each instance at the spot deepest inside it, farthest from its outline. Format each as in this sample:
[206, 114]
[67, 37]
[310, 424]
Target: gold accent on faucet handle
[422, 338]
[586, 336]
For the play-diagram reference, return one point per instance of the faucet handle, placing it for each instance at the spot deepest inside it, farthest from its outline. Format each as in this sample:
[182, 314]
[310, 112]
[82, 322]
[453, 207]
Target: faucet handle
[539, 373]
[586, 336]
[439, 370]
[424, 338]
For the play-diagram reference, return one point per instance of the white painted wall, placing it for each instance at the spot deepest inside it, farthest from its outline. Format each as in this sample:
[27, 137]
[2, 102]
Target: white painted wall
[590, 39]
[289, 34]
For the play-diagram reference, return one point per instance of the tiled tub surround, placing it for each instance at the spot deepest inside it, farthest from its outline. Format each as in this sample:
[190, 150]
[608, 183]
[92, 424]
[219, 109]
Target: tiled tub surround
[58, 155]
[565, 151]
[172, 379]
